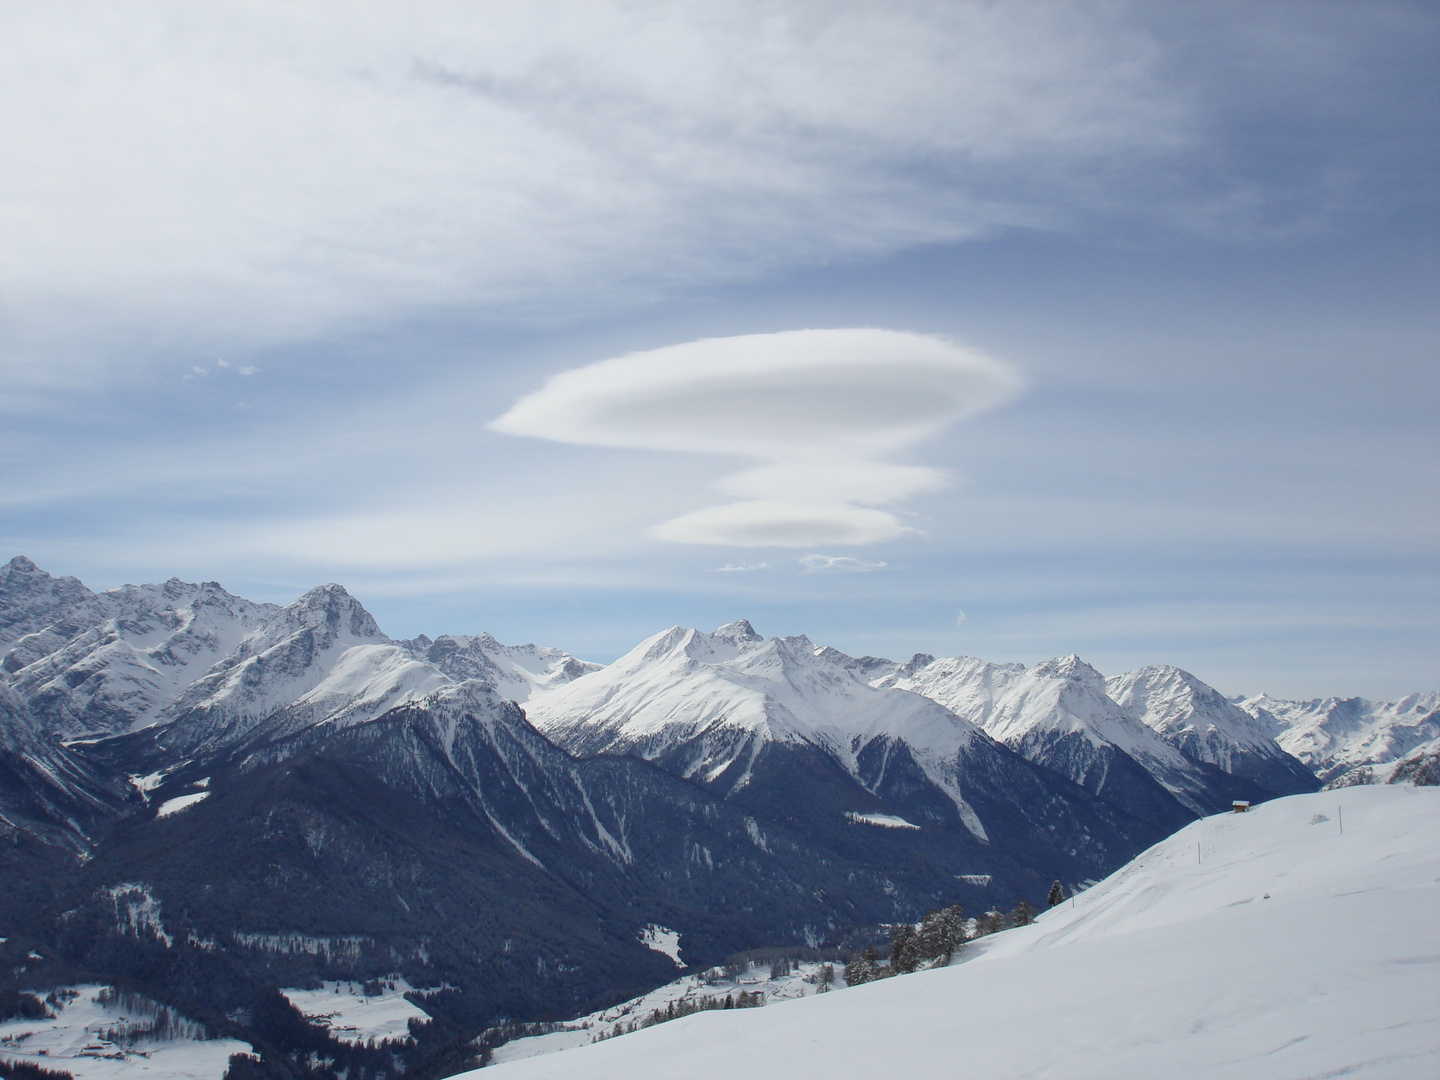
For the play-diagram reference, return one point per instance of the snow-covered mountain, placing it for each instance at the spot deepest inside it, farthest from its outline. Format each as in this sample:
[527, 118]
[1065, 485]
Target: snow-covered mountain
[515, 672]
[965, 685]
[40, 613]
[240, 795]
[1204, 725]
[1334, 735]
[47, 792]
[1173, 967]
[1420, 767]
[1058, 714]
[705, 706]
[791, 733]
[122, 673]
[298, 666]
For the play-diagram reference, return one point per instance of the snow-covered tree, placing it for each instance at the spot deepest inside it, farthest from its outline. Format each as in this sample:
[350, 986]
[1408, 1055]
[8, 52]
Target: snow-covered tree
[905, 953]
[862, 968]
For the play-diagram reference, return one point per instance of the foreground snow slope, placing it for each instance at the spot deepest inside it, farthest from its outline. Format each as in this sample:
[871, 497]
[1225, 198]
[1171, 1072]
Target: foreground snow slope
[1263, 946]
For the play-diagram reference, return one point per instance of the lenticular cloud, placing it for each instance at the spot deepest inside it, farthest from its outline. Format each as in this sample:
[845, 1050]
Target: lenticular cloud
[821, 410]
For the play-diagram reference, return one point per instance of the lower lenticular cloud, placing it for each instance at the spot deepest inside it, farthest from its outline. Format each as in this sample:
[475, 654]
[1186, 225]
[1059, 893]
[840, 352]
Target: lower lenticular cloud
[822, 410]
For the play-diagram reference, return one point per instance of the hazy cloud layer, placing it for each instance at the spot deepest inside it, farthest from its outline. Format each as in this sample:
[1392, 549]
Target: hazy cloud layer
[823, 408]
[263, 171]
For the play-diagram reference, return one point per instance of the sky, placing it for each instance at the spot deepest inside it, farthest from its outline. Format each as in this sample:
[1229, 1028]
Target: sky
[1002, 329]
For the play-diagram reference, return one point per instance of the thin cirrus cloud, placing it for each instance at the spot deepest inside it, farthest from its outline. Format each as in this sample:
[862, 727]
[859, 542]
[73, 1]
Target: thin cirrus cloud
[847, 564]
[824, 411]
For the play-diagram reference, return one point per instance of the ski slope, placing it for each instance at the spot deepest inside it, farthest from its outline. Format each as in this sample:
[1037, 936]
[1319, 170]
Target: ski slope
[1259, 946]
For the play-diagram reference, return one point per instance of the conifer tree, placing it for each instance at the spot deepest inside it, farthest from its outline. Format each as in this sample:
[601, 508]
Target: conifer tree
[904, 949]
[950, 931]
[863, 967]
[1057, 894]
[1023, 915]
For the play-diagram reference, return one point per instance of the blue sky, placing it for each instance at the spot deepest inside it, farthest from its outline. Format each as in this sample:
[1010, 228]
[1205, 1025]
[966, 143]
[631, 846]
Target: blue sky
[1157, 379]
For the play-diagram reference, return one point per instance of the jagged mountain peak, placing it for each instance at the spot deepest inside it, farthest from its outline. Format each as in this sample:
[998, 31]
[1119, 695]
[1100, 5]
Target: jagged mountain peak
[514, 671]
[916, 662]
[334, 606]
[1206, 726]
[32, 601]
[704, 703]
[738, 631]
[1069, 667]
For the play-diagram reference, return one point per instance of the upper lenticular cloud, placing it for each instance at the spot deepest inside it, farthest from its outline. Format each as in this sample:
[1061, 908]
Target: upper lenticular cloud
[822, 409]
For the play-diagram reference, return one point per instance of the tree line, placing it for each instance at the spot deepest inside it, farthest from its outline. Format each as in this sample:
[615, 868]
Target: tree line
[937, 937]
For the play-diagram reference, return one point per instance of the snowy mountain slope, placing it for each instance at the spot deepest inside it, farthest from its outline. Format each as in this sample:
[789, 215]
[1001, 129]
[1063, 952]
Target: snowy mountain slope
[1059, 715]
[363, 682]
[778, 727]
[963, 684]
[514, 671]
[1334, 735]
[122, 673]
[292, 653]
[704, 704]
[769, 982]
[1204, 725]
[1421, 767]
[39, 613]
[47, 792]
[1191, 970]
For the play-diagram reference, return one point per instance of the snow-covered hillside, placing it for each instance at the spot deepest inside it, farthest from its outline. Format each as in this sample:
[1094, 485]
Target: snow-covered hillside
[1262, 946]
[752, 984]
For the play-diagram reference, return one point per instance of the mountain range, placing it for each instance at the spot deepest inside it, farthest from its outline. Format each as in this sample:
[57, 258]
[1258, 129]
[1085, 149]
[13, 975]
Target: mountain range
[210, 797]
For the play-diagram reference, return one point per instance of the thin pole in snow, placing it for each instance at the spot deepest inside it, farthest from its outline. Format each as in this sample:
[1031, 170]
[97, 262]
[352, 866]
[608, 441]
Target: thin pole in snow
[1197, 852]
[1341, 811]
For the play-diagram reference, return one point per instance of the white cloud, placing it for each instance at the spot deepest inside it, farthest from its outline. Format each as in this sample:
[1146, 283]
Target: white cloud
[823, 408]
[257, 171]
[842, 563]
[774, 523]
[960, 618]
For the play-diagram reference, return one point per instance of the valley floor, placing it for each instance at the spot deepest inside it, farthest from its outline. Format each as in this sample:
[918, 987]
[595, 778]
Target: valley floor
[1264, 946]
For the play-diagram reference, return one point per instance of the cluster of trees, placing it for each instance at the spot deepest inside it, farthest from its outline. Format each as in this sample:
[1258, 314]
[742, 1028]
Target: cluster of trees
[24, 1070]
[937, 937]
[17, 1005]
[146, 1019]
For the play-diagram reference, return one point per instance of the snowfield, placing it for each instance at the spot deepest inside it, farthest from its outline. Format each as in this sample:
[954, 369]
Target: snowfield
[1261, 946]
[77, 1039]
[352, 1016]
